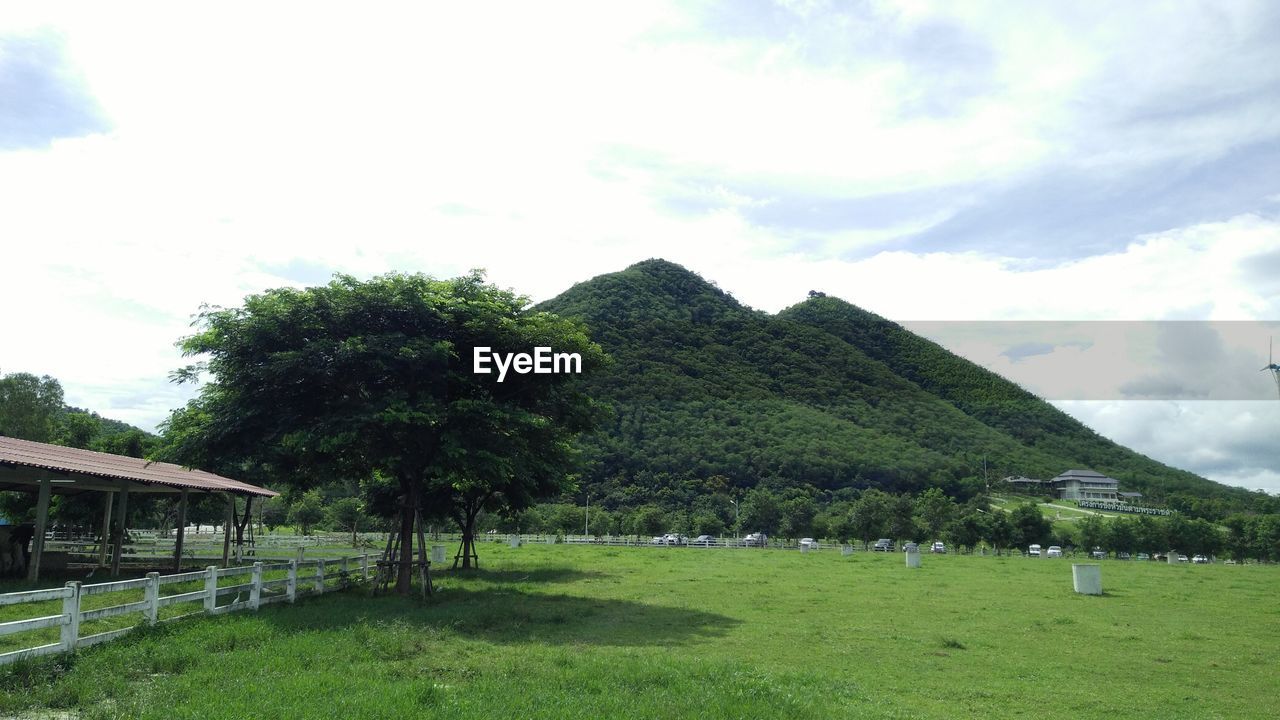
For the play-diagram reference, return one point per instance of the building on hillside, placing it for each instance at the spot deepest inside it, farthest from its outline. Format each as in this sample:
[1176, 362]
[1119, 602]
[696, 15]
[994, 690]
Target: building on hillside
[1030, 486]
[1086, 485]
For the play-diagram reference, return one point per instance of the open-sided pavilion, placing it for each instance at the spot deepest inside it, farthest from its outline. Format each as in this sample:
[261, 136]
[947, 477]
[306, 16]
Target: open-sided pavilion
[44, 469]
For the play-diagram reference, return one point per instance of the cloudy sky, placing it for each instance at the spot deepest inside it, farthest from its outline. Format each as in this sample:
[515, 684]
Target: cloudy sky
[1067, 162]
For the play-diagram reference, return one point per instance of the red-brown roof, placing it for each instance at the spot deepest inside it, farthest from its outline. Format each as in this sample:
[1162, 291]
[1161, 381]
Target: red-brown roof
[119, 467]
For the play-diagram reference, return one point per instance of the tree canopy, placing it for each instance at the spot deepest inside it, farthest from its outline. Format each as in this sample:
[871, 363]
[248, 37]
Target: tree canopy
[363, 378]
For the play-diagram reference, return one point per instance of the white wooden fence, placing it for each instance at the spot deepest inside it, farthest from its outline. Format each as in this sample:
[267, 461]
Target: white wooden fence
[297, 582]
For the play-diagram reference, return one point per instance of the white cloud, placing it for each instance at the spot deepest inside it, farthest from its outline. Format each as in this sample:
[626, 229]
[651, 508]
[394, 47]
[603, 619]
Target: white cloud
[1230, 442]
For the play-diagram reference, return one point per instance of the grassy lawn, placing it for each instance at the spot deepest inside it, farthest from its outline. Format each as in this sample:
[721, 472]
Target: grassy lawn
[589, 632]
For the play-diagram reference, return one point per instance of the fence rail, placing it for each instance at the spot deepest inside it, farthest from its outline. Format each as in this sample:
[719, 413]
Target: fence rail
[311, 573]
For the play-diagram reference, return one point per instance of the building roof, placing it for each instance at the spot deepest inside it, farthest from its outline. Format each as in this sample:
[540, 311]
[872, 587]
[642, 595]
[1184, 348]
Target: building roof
[158, 476]
[1085, 475]
[1021, 479]
[1082, 473]
[1130, 494]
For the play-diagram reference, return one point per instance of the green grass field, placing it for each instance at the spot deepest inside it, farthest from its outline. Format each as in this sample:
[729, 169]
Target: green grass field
[590, 632]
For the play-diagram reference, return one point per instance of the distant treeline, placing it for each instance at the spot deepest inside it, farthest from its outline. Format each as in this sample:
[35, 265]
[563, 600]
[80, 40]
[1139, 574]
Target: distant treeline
[924, 518]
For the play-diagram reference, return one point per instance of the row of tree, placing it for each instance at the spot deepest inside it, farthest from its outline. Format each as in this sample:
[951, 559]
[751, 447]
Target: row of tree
[923, 518]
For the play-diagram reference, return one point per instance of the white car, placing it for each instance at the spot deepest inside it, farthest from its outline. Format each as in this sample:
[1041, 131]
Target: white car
[1054, 551]
[809, 543]
[1034, 551]
[939, 548]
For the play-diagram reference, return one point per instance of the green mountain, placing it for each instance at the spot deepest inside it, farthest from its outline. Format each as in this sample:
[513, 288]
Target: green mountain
[707, 390]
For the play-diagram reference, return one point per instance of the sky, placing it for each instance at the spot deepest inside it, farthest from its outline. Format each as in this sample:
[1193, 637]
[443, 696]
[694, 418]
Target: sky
[1050, 167]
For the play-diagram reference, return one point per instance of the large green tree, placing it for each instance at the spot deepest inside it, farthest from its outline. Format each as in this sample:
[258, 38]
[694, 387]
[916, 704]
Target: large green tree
[357, 378]
[1030, 526]
[29, 406]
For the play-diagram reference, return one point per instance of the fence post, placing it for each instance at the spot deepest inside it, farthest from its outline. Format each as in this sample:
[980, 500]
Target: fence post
[255, 590]
[210, 588]
[319, 576]
[300, 551]
[151, 595]
[364, 567]
[291, 588]
[71, 608]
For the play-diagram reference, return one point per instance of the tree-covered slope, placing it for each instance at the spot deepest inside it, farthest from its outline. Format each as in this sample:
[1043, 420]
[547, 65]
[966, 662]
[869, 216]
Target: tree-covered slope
[996, 401]
[702, 386]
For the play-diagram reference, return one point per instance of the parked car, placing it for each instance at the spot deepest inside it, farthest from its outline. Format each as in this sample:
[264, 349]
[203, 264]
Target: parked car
[1122, 556]
[1182, 558]
[809, 543]
[704, 540]
[1143, 556]
[1200, 560]
[755, 540]
[939, 548]
[883, 545]
[1054, 551]
[658, 540]
[674, 539]
[1098, 554]
[910, 547]
[1034, 551]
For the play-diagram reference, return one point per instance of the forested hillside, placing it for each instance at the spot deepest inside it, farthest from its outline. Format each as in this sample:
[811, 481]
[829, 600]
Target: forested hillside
[823, 394]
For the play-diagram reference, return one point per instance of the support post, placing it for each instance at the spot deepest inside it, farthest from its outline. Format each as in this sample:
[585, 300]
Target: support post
[319, 576]
[117, 537]
[301, 552]
[210, 588]
[71, 608]
[364, 567]
[226, 530]
[151, 596]
[182, 532]
[106, 528]
[291, 588]
[255, 590]
[42, 525]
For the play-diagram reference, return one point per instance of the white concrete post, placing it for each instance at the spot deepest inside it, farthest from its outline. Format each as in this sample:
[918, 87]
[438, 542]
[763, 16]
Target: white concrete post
[291, 587]
[913, 558]
[437, 554]
[71, 609]
[151, 596]
[804, 549]
[1172, 557]
[210, 588]
[255, 590]
[515, 541]
[846, 549]
[319, 576]
[1087, 578]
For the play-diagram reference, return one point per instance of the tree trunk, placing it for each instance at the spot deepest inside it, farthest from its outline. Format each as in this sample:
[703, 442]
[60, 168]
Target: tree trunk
[404, 575]
[468, 540]
[242, 521]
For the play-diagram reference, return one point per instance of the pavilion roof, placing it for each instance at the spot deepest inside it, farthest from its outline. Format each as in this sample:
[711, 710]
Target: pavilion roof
[162, 477]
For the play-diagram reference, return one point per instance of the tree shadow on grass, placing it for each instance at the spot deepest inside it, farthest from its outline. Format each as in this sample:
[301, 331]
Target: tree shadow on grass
[507, 616]
[534, 575]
